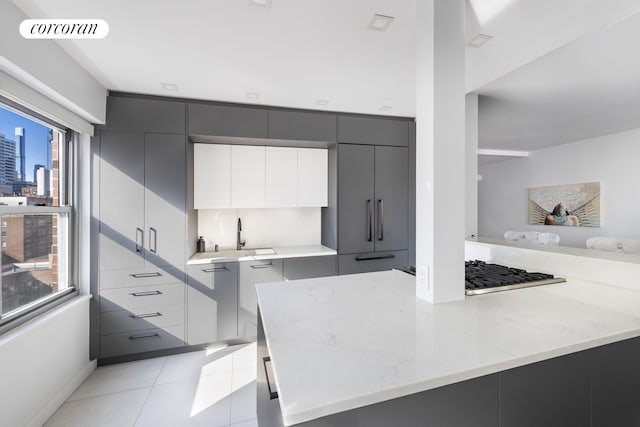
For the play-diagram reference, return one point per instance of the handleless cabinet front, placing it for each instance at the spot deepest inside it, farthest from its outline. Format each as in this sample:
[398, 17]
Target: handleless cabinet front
[212, 301]
[251, 273]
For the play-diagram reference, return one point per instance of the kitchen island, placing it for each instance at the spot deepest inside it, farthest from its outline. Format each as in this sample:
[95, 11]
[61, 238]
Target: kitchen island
[361, 350]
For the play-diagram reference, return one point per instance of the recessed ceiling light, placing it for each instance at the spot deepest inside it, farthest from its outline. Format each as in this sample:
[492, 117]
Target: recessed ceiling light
[385, 108]
[479, 40]
[253, 95]
[169, 86]
[380, 22]
[261, 3]
[322, 102]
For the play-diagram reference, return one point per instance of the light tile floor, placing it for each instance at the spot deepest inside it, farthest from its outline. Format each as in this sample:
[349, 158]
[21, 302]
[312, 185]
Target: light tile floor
[213, 387]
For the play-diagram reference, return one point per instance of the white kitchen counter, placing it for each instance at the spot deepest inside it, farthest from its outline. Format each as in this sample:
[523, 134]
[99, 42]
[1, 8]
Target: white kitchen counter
[343, 342]
[246, 255]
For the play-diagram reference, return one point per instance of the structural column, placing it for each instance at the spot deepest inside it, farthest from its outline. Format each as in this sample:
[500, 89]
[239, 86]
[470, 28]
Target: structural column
[440, 150]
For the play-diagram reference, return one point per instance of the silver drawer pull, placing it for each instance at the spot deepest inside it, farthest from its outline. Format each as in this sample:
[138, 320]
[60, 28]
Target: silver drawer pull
[262, 265]
[146, 294]
[145, 275]
[143, 316]
[142, 337]
[272, 394]
[214, 269]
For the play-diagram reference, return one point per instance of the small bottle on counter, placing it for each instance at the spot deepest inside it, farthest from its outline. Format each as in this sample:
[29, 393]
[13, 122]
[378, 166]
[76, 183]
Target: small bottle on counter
[201, 245]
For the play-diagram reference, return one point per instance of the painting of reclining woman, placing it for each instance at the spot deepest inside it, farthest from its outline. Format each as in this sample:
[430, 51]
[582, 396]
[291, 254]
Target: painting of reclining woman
[575, 205]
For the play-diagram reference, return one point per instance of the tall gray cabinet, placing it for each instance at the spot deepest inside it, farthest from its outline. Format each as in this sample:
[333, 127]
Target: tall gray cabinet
[373, 182]
[142, 227]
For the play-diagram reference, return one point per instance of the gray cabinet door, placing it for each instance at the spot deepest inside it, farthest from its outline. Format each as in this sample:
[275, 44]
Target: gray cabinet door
[304, 126]
[373, 130]
[356, 201]
[165, 199]
[212, 302]
[391, 182]
[373, 261]
[555, 392]
[145, 115]
[310, 267]
[226, 120]
[251, 273]
[121, 200]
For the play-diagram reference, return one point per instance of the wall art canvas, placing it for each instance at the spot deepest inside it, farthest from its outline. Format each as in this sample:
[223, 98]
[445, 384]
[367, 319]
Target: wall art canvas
[575, 205]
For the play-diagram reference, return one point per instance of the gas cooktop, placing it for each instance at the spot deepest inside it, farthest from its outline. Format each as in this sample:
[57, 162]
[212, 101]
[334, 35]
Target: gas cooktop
[482, 278]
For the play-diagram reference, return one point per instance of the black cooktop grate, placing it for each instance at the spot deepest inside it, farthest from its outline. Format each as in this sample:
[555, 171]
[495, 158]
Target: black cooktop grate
[481, 278]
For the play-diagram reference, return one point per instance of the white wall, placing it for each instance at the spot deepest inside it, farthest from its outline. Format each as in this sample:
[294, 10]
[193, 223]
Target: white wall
[260, 227]
[47, 68]
[42, 362]
[610, 159]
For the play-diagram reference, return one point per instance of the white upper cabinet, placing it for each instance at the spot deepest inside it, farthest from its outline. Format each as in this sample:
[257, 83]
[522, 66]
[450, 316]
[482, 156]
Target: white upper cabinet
[281, 182]
[212, 176]
[247, 176]
[313, 177]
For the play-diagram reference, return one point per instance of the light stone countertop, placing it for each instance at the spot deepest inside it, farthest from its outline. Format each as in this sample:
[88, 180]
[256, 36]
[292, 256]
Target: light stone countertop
[259, 254]
[343, 342]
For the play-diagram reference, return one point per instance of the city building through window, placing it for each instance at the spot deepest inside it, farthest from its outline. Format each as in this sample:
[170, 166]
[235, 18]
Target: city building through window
[35, 214]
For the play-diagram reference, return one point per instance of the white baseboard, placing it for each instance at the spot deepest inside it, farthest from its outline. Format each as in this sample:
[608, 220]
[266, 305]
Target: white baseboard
[58, 400]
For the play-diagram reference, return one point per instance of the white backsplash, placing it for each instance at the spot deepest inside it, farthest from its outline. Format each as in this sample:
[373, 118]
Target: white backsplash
[260, 227]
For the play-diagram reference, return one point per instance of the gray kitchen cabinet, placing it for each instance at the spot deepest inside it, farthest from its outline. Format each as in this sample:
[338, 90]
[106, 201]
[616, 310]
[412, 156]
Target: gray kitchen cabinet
[615, 382]
[372, 198]
[145, 115]
[251, 273]
[356, 198]
[310, 267]
[373, 130]
[227, 120]
[212, 302]
[165, 198]
[554, 392]
[391, 198]
[121, 200]
[142, 241]
[372, 261]
[302, 125]
[142, 200]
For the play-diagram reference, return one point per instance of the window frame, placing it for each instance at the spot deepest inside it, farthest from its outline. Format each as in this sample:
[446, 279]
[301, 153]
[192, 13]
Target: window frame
[68, 202]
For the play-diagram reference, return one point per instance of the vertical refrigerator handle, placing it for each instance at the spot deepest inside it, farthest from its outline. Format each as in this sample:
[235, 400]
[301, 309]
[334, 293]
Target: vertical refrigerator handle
[153, 243]
[380, 219]
[139, 239]
[369, 230]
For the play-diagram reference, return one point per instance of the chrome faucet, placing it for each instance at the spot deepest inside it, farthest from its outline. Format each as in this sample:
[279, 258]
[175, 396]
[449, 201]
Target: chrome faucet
[239, 242]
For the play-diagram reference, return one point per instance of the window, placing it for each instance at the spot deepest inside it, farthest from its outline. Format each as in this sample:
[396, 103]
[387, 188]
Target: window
[35, 213]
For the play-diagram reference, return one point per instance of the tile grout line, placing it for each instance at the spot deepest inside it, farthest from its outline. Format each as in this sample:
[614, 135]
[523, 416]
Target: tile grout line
[150, 390]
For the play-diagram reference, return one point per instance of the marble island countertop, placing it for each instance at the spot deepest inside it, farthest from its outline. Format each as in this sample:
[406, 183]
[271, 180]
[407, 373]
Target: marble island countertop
[258, 254]
[339, 343]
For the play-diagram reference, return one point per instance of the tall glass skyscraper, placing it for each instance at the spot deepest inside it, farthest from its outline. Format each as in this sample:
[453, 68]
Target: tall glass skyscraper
[21, 155]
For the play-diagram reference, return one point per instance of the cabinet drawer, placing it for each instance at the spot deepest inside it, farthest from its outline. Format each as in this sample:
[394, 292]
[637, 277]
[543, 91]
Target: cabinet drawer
[372, 261]
[212, 275]
[148, 276]
[112, 322]
[310, 267]
[141, 341]
[141, 297]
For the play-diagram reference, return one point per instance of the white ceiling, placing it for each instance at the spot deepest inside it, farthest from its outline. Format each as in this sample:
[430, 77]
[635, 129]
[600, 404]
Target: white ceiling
[587, 88]
[300, 51]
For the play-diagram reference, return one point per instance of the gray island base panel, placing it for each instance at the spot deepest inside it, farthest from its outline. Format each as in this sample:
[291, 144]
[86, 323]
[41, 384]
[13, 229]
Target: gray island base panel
[361, 350]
